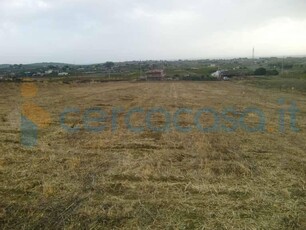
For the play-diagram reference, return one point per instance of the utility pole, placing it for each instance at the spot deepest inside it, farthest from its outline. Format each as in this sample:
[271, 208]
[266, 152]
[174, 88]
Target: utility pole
[283, 65]
[253, 55]
[140, 70]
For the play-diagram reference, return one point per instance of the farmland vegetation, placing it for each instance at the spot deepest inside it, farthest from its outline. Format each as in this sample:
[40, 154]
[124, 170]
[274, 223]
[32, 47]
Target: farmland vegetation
[154, 180]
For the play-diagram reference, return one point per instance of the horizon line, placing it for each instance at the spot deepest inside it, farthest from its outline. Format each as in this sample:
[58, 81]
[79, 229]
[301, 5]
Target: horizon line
[158, 60]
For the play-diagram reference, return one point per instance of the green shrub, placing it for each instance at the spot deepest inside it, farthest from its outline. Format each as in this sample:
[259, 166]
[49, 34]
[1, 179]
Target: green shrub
[260, 71]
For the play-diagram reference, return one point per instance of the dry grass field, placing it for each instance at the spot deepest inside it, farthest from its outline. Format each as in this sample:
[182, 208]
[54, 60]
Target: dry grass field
[151, 180]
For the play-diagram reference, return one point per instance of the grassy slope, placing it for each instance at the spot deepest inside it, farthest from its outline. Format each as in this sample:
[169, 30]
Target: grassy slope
[296, 82]
[150, 180]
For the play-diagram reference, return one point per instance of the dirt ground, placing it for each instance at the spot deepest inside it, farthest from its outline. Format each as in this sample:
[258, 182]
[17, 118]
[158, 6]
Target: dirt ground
[115, 179]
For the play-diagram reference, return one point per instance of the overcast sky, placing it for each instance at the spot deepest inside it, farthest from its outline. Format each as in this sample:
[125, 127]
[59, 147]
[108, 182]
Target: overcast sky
[94, 31]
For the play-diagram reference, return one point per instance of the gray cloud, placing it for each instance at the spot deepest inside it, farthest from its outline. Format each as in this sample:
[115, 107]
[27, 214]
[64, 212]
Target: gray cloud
[86, 31]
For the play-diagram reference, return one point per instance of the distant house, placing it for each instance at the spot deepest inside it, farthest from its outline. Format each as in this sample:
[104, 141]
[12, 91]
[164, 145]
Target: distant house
[38, 74]
[50, 71]
[28, 74]
[155, 75]
[63, 74]
[143, 78]
[220, 74]
[226, 79]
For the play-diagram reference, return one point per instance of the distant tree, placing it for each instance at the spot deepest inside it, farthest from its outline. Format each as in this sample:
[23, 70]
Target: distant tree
[260, 71]
[66, 68]
[109, 65]
[288, 66]
[15, 66]
[272, 72]
[51, 67]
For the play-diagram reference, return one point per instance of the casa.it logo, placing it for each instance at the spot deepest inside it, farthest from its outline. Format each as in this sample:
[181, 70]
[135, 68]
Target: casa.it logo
[33, 117]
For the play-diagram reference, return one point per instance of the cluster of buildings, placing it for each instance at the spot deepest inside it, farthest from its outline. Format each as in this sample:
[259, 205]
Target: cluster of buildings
[159, 75]
[154, 75]
[221, 75]
[48, 72]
